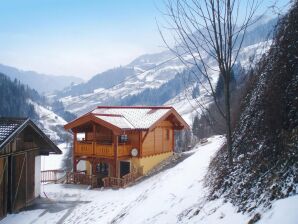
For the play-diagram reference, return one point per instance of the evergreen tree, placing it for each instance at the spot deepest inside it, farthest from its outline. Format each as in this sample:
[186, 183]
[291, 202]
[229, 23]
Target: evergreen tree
[14, 98]
[195, 92]
[219, 89]
[196, 126]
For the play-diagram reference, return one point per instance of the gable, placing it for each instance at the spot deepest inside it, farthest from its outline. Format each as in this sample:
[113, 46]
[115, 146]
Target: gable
[26, 134]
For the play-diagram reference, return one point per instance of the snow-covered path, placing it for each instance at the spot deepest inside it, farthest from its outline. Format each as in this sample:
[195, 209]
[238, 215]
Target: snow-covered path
[175, 195]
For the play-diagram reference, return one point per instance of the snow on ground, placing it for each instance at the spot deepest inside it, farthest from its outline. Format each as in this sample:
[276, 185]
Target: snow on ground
[176, 195]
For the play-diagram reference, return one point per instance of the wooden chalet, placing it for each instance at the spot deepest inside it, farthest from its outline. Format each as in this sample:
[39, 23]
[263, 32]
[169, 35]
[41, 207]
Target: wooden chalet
[22, 144]
[115, 144]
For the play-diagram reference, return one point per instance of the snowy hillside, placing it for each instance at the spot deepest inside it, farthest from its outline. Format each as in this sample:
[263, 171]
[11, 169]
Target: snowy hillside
[49, 122]
[152, 71]
[52, 126]
[137, 82]
[188, 106]
[152, 78]
[176, 195]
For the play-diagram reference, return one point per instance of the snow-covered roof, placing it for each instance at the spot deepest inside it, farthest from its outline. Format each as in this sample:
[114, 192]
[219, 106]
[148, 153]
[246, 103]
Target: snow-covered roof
[118, 121]
[8, 126]
[122, 118]
[131, 117]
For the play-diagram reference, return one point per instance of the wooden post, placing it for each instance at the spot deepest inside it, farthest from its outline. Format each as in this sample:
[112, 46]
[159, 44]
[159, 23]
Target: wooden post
[94, 138]
[173, 139]
[6, 170]
[26, 181]
[93, 164]
[73, 152]
[140, 144]
[115, 141]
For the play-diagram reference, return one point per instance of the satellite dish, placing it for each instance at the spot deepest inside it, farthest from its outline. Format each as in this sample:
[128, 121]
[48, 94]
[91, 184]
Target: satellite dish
[134, 152]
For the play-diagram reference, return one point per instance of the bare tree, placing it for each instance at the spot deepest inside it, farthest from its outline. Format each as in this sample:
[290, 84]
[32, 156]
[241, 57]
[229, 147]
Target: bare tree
[208, 36]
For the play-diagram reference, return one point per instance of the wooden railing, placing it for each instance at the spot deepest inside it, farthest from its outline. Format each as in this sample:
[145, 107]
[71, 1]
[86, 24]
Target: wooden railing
[96, 149]
[104, 150]
[56, 176]
[84, 148]
[81, 178]
[120, 182]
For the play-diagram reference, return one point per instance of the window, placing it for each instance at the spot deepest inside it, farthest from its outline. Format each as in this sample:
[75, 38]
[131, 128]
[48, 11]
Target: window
[123, 138]
[102, 168]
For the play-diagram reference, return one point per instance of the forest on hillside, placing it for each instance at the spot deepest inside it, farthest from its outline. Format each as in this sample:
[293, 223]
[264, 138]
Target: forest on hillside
[265, 137]
[14, 98]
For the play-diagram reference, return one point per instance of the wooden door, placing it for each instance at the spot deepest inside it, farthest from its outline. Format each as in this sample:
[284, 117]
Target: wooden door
[30, 162]
[124, 168]
[3, 186]
[18, 182]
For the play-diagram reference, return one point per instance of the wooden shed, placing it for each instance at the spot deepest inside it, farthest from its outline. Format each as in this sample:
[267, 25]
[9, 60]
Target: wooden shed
[21, 145]
[117, 142]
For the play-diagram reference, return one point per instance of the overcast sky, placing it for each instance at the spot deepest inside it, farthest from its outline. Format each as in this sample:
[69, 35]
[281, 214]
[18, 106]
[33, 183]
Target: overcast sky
[77, 37]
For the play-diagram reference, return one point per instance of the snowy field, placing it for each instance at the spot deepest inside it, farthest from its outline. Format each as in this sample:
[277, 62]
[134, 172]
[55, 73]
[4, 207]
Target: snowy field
[176, 195]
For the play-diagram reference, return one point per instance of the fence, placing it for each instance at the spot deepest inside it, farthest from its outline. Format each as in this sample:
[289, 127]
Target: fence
[55, 176]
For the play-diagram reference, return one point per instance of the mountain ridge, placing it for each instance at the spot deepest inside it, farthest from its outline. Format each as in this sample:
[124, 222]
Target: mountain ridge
[43, 83]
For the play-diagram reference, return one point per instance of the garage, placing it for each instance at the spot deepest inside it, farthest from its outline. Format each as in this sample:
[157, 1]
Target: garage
[22, 144]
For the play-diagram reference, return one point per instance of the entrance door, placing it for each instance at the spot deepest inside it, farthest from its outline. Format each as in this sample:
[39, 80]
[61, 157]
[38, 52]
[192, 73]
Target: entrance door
[102, 170]
[124, 168]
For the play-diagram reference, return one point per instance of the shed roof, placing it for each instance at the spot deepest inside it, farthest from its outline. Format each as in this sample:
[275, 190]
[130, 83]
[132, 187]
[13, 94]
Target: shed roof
[129, 117]
[10, 127]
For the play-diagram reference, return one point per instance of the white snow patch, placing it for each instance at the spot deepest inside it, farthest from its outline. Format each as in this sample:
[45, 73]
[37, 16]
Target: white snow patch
[176, 195]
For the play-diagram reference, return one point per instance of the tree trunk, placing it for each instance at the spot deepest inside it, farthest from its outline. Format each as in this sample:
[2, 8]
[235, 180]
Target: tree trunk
[228, 117]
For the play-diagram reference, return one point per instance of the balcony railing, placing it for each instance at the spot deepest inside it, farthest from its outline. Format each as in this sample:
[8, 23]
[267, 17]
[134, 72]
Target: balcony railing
[102, 150]
[120, 182]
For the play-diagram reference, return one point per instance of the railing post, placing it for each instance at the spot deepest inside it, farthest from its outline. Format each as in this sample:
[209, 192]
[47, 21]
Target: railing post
[116, 154]
[74, 150]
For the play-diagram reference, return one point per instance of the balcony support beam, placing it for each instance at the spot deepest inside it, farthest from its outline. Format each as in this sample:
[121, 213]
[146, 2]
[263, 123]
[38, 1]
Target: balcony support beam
[115, 141]
[94, 138]
[74, 168]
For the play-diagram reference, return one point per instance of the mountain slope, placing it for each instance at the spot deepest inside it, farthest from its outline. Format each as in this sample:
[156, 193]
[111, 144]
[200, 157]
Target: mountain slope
[266, 140]
[13, 99]
[151, 74]
[42, 83]
[103, 80]
[19, 100]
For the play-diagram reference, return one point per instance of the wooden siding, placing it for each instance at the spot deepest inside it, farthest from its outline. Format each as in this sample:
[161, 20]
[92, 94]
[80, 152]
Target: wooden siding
[159, 140]
[102, 135]
[3, 186]
[17, 181]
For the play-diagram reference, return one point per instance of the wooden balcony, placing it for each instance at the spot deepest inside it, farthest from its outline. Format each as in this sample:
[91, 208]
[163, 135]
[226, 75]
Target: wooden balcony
[95, 149]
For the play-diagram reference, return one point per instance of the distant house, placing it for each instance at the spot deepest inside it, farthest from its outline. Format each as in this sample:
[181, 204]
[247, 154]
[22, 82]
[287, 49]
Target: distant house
[116, 141]
[21, 145]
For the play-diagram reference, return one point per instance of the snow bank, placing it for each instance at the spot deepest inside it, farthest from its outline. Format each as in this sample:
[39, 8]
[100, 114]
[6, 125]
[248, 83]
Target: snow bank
[176, 195]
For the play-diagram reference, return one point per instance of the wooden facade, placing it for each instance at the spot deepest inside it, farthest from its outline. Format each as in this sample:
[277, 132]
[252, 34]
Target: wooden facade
[107, 147]
[20, 149]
